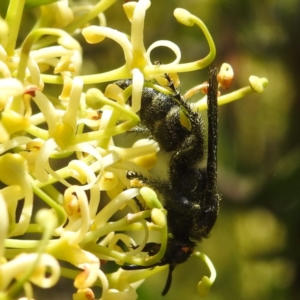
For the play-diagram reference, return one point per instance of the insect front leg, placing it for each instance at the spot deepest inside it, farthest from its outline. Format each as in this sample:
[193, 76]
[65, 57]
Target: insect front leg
[138, 180]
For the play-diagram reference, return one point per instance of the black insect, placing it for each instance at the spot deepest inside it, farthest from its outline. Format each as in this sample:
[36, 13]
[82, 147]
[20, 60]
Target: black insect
[190, 193]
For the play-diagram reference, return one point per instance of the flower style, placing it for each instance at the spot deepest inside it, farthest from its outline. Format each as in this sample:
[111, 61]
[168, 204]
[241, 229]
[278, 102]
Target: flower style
[73, 131]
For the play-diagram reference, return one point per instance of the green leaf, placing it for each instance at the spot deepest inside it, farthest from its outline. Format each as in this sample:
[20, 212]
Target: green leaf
[28, 4]
[36, 3]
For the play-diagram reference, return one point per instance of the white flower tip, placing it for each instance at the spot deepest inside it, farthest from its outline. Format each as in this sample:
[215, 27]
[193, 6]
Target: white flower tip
[114, 92]
[158, 217]
[108, 181]
[258, 84]
[129, 8]
[93, 98]
[150, 197]
[225, 75]
[84, 294]
[45, 217]
[184, 17]
[91, 35]
[204, 286]
[146, 161]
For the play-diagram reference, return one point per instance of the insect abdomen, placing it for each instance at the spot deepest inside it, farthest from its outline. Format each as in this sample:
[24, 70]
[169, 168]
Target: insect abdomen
[160, 114]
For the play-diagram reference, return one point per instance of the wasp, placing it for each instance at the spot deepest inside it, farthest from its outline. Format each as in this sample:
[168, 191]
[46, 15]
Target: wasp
[190, 193]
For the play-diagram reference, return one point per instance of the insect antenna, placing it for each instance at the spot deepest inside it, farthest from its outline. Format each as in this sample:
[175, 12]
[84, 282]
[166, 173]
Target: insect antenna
[212, 103]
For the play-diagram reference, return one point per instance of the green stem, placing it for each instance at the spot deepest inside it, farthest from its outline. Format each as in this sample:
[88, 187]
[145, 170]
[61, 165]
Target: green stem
[54, 193]
[68, 273]
[13, 19]
[102, 134]
[22, 244]
[61, 215]
[116, 74]
[227, 98]
[192, 66]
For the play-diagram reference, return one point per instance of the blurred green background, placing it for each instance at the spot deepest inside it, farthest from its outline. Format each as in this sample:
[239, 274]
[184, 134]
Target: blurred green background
[255, 243]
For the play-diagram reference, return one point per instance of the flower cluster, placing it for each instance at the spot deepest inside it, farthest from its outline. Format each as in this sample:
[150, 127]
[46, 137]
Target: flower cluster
[57, 151]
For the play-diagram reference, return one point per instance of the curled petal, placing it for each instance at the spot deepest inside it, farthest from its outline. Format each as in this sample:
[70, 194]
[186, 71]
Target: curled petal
[186, 18]
[112, 207]
[168, 44]
[13, 143]
[95, 34]
[42, 160]
[45, 274]
[205, 284]
[75, 237]
[90, 272]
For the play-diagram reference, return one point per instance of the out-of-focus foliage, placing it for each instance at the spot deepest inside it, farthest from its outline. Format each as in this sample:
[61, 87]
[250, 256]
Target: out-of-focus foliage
[28, 4]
